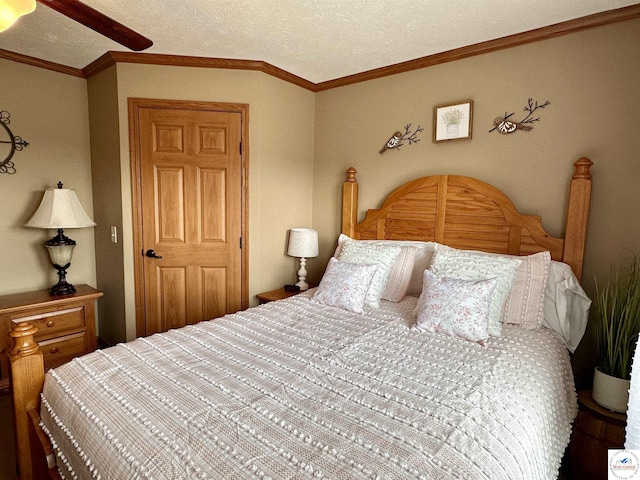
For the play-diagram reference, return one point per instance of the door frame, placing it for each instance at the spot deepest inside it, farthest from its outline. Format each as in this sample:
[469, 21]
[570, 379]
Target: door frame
[134, 106]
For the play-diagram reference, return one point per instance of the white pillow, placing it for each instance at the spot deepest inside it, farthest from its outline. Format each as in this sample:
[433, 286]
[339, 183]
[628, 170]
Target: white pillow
[566, 306]
[455, 307]
[345, 285]
[422, 260]
[383, 256]
[525, 304]
[470, 265]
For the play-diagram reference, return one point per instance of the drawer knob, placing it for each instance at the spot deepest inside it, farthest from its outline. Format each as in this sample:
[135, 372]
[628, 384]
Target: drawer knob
[54, 350]
[50, 323]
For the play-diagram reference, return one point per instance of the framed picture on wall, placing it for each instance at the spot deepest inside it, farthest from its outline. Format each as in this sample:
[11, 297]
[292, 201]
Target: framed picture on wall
[452, 121]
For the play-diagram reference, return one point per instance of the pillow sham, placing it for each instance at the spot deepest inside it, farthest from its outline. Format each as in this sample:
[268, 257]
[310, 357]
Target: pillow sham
[383, 256]
[566, 305]
[525, 304]
[455, 307]
[471, 265]
[345, 285]
[422, 260]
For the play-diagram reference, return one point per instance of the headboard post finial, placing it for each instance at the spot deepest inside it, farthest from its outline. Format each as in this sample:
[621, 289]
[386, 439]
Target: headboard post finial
[582, 167]
[351, 175]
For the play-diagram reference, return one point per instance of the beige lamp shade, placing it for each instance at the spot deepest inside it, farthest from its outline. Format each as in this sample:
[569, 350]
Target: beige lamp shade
[303, 242]
[60, 208]
[11, 10]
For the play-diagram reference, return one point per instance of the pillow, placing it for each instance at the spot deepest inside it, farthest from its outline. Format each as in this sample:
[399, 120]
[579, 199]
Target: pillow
[455, 307]
[566, 306]
[400, 275]
[422, 260]
[470, 265]
[525, 304]
[383, 256]
[345, 285]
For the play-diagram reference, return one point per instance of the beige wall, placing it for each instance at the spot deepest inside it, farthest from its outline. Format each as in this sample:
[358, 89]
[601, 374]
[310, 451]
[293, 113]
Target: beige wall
[591, 79]
[107, 202]
[281, 118]
[301, 143]
[48, 110]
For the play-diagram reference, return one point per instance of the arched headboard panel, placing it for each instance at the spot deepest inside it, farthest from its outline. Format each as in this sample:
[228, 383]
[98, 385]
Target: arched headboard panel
[469, 214]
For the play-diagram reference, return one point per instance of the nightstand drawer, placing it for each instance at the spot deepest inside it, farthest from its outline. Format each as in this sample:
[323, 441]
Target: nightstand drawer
[52, 324]
[66, 323]
[60, 350]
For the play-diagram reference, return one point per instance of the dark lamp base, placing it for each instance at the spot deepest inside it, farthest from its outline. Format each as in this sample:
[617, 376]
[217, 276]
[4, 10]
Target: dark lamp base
[62, 287]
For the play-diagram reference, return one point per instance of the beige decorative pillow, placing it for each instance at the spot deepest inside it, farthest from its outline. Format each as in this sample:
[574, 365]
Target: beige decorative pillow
[525, 304]
[400, 275]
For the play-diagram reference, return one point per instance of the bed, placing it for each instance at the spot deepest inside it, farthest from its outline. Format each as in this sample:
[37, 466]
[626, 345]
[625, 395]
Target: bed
[309, 387]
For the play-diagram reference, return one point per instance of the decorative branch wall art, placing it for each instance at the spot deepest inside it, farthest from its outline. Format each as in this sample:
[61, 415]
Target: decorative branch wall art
[504, 125]
[13, 144]
[397, 138]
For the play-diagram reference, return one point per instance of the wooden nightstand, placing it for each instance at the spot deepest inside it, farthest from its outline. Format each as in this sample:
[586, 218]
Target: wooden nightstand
[595, 430]
[277, 294]
[66, 324]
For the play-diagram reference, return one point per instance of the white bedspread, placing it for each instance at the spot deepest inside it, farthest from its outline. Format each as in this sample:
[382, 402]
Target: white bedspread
[293, 389]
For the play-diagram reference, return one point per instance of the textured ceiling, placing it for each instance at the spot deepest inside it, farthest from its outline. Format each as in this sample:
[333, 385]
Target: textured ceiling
[317, 40]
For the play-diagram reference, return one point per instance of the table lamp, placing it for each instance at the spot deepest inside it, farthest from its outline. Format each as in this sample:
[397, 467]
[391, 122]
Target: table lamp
[303, 244]
[60, 209]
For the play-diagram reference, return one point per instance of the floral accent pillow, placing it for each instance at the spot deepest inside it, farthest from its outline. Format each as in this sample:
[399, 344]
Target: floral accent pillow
[470, 265]
[455, 307]
[345, 285]
[382, 256]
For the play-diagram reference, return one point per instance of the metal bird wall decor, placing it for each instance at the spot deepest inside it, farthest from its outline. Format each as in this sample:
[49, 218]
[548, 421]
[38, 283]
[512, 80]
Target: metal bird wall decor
[395, 141]
[504, 125]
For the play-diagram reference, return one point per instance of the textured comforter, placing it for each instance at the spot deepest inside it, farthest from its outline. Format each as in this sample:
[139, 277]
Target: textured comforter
[294, 389]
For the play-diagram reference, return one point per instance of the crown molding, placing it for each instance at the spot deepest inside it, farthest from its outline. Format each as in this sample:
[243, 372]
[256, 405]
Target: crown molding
[536, 35]
[539, 34]
[36, 62]
[111, 58]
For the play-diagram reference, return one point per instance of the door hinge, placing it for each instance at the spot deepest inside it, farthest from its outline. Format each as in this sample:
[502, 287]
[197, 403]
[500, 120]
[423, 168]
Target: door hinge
[240, 148]
[241, 242]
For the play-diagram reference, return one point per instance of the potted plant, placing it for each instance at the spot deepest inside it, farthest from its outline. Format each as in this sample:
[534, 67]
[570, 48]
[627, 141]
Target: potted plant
[616, 327]
[452, 119]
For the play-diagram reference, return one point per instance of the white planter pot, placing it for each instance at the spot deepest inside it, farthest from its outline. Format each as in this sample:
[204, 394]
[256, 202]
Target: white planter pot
[610, 392]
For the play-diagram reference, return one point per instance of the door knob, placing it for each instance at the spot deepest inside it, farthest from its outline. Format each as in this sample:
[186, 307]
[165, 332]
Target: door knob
[151, 253]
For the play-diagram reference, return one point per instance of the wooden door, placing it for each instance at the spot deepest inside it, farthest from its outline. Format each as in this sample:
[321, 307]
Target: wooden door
[188, 160]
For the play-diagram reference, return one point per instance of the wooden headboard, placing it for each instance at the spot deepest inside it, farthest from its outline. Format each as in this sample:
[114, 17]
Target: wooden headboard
[469, 214]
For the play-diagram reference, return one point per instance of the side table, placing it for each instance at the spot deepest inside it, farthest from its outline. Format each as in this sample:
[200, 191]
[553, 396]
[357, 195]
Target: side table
[277, 294]
[595, 431]
[66, 324]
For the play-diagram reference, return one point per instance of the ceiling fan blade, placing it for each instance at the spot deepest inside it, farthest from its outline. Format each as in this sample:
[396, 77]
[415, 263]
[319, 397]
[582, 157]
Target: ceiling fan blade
[99, 22]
